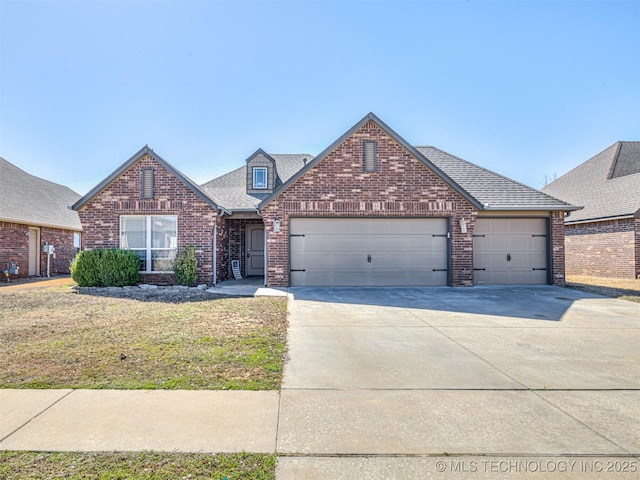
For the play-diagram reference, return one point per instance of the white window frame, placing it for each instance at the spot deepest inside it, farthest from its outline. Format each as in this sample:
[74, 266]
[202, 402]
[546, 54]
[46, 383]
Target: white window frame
[258, 185]
[149, 249]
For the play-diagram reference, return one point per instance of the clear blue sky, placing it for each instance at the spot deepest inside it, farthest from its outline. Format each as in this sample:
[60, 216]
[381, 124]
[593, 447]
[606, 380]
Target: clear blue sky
[523, 88]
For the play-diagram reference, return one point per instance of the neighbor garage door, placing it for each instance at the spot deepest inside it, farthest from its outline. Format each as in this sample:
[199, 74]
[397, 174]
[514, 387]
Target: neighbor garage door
[510, 251]
[368, 252]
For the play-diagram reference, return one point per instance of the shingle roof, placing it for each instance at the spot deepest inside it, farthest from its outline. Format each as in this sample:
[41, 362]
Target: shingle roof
[608, 184]
[492, 190]
[230, 190]
[31, 200]
[484, 189]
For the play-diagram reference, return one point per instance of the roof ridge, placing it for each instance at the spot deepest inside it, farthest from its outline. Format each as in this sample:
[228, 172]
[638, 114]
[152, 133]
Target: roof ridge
[496, 173]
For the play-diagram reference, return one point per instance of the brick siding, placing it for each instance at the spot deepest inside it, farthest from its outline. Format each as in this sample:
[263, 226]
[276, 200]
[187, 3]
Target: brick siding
[100, 217]
[558, 252]
[14, 247]
[338, 187]
[637, 229]
[605, 249]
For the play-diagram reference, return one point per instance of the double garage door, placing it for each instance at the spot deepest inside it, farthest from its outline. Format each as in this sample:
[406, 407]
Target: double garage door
[412, 251]
[368, 251]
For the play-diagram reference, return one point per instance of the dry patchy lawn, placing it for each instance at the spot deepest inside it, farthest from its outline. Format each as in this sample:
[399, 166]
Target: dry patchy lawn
[625, 288]
[52, 337]
[145, 465]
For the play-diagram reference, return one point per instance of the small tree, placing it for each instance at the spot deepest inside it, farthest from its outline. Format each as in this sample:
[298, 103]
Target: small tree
[185, 266]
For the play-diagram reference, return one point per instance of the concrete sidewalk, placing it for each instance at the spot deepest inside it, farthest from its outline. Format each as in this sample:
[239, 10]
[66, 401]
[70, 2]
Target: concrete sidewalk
[136, 420]
[395, 384]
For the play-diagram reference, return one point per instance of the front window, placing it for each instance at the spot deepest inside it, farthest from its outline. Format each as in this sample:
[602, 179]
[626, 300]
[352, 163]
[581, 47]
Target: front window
[153, 237]
[259, 177]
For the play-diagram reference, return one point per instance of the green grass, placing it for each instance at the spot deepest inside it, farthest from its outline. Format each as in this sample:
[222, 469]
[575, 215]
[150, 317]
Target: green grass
[145, 465]
[55, 338]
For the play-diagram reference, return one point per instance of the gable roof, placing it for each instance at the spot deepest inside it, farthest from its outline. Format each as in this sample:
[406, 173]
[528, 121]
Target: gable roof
[230, 189]
[492, 190]
[32, 200]
[146, 151]
[608, 184]
[484, 189]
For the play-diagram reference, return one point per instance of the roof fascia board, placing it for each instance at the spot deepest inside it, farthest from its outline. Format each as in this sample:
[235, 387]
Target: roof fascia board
[121, 169]
[259, 152]
[389, 131]
[599, 219]
[31, 223]
[547, 208]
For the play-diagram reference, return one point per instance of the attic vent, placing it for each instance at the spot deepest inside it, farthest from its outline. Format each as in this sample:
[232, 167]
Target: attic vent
[370, 156]
[147, 183]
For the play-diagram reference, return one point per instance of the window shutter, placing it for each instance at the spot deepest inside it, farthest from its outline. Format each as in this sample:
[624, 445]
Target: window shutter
[147, 183]
[370, 154]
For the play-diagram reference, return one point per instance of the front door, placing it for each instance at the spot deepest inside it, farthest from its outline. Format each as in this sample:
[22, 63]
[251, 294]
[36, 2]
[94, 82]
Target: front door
[34, 252]
[255, 250]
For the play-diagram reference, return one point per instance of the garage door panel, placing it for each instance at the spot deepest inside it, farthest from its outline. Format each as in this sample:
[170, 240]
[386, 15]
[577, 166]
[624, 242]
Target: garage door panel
[368, 252]
[510, 251]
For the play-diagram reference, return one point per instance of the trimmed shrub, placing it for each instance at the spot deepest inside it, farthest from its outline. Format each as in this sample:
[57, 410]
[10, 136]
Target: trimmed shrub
[185, 266]
[106, 267]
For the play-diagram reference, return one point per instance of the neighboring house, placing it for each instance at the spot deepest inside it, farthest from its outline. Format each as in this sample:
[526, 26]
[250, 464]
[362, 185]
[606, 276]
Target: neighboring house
[369, 210]
[33, 213]
[603, 239]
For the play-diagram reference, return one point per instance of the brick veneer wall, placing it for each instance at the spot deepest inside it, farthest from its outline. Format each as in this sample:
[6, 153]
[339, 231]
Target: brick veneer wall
[558, 252]
[14, 247]
[196, 219]
[62, 240]
[605, 249]
[637, 229]
[338, 187]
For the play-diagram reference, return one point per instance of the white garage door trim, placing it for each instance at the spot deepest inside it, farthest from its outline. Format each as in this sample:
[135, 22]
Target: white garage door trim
[383, 251]
[511, 251]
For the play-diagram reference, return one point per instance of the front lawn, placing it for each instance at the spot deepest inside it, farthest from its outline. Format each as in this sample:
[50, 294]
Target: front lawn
[624, 288]
[145, 465]
[53, 337]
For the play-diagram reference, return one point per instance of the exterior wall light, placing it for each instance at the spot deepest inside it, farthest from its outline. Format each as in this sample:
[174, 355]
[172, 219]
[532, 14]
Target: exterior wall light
[276, 225]
[463, 225]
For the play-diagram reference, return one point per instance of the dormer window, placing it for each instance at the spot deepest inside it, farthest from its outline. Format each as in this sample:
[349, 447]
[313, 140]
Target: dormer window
[260, 177]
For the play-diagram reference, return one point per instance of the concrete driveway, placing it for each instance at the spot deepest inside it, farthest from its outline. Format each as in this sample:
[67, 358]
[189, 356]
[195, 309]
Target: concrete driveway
[485, 382]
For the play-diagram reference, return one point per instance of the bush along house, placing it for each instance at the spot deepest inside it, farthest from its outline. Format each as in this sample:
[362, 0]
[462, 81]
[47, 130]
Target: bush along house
[370, 210]
[39, 233]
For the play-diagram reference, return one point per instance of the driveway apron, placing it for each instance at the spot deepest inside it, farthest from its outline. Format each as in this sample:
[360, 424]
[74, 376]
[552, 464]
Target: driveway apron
[433, 382]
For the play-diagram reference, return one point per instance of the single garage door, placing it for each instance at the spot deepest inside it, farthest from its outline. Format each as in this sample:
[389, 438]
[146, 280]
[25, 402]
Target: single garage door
[510, 251]
[368, 252]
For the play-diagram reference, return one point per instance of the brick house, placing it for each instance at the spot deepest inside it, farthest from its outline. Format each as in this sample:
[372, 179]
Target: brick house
[369, 210]
[33, 213]
[603, 239]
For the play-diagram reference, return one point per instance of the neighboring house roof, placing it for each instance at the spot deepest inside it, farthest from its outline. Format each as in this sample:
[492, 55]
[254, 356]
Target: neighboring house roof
[32, 200]
[608, 184]
[484, 189]
[492, 190]
[230, 189]
[146, 151]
